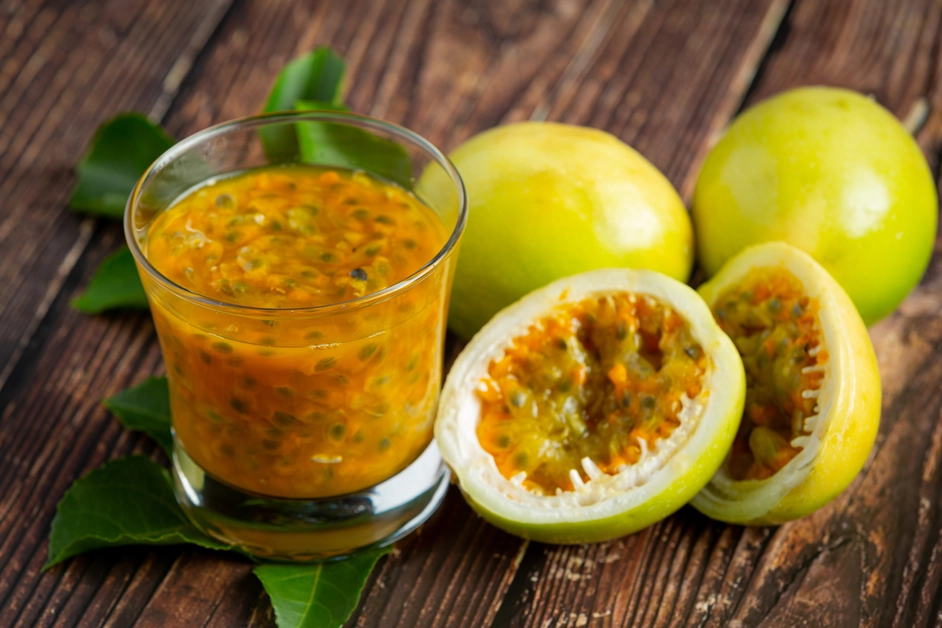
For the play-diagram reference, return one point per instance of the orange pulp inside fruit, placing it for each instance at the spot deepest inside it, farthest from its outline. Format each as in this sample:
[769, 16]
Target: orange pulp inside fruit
[603, 379]
[775, 328]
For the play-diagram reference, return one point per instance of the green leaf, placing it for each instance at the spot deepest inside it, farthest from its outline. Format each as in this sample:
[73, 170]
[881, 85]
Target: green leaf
[340, 145]
[122, 149]
[315, 105]
[318, 595]
[145, 408]
[128, 501]
[115, 284]
[316, 77]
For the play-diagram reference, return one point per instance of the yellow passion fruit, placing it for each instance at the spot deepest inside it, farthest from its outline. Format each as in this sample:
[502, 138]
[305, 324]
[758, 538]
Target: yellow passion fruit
[592, 407]
[604, 401]
[812, 404]
[550, 200]
[828, 171]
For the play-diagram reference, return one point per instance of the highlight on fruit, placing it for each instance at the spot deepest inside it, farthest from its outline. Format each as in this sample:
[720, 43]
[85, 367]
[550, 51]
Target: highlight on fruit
[592, 407]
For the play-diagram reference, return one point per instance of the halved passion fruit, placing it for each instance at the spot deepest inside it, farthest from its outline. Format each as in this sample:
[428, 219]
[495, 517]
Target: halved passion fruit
[592, 407]
[812, 393]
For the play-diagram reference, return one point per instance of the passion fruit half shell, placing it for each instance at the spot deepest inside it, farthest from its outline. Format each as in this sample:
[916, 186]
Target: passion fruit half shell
[813, 388]
[591, 408]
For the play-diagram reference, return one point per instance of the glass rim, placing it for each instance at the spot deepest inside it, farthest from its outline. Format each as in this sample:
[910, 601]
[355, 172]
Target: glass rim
[264, 119]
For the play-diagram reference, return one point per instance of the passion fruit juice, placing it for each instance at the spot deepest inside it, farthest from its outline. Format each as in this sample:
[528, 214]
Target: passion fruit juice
[306, 379]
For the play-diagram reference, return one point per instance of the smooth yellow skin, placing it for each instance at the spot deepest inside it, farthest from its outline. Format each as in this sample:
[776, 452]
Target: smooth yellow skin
[832, 173]
[854, 412]
[550, 200]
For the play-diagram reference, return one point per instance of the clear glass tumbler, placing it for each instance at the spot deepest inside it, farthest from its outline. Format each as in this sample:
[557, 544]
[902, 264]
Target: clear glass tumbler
[306, 433]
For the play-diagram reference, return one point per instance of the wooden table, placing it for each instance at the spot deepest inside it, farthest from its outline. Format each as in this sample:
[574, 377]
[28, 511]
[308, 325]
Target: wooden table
[664, 76]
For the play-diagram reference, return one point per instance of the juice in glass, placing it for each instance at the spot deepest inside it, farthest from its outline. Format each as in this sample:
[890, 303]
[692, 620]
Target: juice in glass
[293, 410]
[301, 312]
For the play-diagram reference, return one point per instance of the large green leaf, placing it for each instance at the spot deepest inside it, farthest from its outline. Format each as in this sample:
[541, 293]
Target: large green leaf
[115, 284]
[122, 149]
[320, 595]
[314, 77]
[340, 145]
[128, 501]
[145, 408]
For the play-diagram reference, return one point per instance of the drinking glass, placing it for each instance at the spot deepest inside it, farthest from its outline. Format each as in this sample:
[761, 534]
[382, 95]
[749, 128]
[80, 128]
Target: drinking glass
[304, 433]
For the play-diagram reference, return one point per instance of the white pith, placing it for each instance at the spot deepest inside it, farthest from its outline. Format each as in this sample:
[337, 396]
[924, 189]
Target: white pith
[745, 500]
[603, 495]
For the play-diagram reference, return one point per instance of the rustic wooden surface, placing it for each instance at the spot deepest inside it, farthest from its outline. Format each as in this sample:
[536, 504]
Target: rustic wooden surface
[665, 76]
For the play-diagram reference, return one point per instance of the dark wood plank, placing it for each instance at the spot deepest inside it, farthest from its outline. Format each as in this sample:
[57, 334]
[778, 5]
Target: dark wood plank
[664, 76]
[426, 581]
[43, 456]
[51, 100]
[193, 589]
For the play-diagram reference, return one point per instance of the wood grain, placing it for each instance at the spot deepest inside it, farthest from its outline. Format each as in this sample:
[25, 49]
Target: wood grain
[51, 100]
[665, 76]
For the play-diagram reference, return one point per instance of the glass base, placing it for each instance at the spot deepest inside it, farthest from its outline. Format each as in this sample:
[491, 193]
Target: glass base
[311, 529]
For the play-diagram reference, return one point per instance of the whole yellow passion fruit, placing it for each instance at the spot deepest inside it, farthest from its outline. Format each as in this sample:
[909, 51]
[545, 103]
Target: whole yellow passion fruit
[551, 200]
[592, 407]
[832, 173]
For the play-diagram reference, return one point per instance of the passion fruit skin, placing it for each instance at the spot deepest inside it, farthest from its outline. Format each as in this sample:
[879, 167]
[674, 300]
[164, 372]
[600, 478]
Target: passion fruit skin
[832, 173]
[850, 400]
[616, 513]
[549, 200]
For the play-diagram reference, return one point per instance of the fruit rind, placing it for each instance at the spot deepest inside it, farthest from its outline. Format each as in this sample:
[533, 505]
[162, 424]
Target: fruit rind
[605, 510]
[849, 403]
